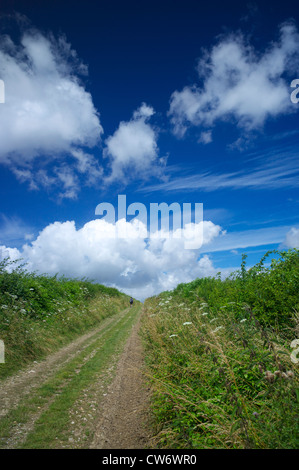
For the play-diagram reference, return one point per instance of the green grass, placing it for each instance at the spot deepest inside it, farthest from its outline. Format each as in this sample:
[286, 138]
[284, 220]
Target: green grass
[59, 393]
[40, 314]
[218, 356]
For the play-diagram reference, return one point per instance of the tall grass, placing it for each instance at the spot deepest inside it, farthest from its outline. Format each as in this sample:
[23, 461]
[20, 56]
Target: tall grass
[219, 358]
[40, 313]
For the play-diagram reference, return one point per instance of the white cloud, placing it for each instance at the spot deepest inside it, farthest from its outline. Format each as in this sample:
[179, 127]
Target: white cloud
[12, 230]
[205, 137]
[141, 267]
[138, 266]
[238, 82]
[280, 170]
[48, 115]
[292, 238]
[247, 238]
[132, 150]
[12, 253]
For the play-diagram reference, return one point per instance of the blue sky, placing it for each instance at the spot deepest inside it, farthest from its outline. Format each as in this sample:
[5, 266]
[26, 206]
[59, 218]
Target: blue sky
[161, 101]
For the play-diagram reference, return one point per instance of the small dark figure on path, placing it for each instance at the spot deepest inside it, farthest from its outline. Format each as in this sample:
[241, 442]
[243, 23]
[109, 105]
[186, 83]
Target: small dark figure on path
[131, 302]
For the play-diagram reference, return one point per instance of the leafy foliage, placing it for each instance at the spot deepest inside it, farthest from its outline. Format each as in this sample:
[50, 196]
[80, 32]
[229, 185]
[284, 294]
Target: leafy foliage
[270, 291]
[219, 357]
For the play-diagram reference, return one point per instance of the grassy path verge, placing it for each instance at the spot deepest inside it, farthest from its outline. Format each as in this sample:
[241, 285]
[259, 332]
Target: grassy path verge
[63, 408]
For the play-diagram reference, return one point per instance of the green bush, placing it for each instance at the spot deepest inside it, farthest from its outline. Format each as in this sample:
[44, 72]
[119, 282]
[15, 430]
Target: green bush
[219, 357]
[272, 292]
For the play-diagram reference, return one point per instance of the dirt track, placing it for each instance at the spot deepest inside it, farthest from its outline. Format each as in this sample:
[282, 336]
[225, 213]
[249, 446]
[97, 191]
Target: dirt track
[124, 414]
[114, 407]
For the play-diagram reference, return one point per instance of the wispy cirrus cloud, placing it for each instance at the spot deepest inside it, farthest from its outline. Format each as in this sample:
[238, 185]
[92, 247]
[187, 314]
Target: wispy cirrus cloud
[280, 171]
[13, 230]
[277, 235]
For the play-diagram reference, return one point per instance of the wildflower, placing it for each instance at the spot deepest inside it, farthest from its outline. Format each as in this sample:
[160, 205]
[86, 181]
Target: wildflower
[4, 307]
[218, 328]
[294, 354]
[255, 414]
[22, 310]
[204, 314]
[244, 319]
[171, 336]
[187, 323]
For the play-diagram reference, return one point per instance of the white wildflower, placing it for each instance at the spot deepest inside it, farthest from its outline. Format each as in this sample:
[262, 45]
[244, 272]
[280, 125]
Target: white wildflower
[217, 329]
[204, 314]
[294, 353]
[171, 336]
[187, 323]
[244, 319]
[4, 307]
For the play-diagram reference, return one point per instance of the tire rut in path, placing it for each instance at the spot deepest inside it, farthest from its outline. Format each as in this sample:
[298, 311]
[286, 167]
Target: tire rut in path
[124, 421]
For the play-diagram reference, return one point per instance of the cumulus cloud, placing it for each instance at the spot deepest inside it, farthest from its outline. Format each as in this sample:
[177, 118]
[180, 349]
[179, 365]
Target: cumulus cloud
[292, 238]
[48, 115]
[136, 265]
[237, 82]
[132, 149]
